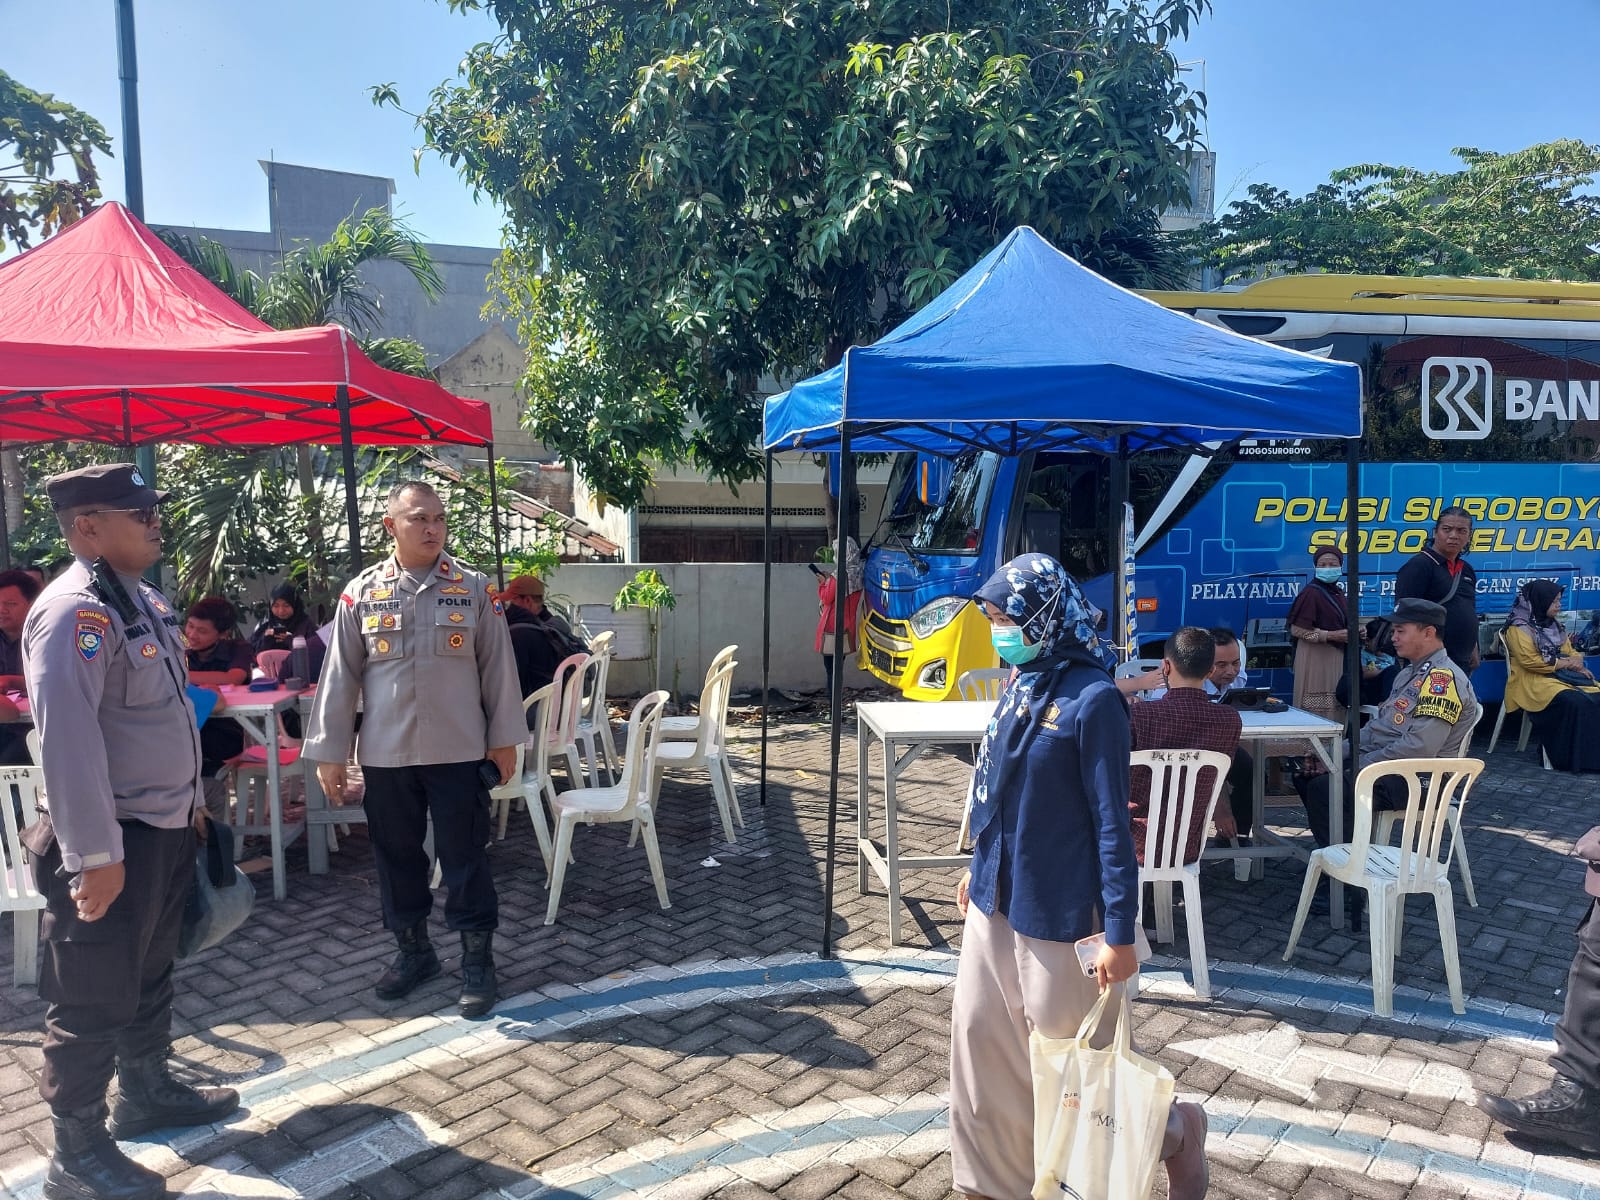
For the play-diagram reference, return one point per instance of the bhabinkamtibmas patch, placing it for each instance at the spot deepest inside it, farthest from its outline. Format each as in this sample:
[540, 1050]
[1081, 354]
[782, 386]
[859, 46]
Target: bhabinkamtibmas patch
[1439, 698]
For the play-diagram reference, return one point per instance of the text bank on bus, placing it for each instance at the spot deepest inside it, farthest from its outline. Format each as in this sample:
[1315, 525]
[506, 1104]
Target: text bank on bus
[1479, 392]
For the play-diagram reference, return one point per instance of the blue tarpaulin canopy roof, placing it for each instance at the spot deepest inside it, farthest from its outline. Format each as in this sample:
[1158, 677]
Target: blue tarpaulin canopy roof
[1030, 350]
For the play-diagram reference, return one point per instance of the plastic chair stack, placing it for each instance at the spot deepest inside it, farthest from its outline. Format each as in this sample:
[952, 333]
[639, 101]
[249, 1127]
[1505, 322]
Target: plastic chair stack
[1388, 874]
[1175, 796]
[592, 733]
[20, 789]
[709, 750]
[631, 800]
[688, 728]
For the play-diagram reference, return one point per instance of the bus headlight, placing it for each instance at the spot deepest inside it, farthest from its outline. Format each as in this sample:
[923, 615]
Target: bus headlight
[935, 615]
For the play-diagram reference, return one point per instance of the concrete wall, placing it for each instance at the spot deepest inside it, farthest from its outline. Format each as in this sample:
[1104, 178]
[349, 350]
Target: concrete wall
[718, 604]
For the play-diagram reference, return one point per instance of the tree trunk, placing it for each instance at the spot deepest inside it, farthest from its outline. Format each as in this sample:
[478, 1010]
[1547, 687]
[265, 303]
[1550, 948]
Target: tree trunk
[15, 484]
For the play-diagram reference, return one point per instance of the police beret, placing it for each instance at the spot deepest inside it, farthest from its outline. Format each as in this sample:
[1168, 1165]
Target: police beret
[104, 485]
[1414, 610]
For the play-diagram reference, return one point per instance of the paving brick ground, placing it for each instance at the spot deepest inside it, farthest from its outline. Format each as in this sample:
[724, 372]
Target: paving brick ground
[704, 1051]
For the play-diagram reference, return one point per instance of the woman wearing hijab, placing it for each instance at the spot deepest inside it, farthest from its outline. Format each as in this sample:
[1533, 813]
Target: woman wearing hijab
[1053, 862]
[286, 620]
[1319, 624]
[1548, 679]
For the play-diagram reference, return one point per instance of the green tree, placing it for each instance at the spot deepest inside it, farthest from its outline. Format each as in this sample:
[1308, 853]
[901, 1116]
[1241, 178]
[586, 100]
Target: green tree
[37, 132]
[703, 192]
[1529, 214]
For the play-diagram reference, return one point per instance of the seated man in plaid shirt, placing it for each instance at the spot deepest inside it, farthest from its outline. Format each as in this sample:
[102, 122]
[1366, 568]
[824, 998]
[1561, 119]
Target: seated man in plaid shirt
[1185, 718]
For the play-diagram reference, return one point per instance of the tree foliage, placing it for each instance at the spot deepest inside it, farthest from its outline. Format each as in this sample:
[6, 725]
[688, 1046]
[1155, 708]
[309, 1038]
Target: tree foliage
[1529, 214]
[701, 193]
[37, 132]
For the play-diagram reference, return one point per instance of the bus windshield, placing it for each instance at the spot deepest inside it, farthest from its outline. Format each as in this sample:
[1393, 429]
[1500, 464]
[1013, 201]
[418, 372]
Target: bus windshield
[953, 527]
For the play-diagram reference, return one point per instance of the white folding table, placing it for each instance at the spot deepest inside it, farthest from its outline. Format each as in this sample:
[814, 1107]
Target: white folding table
[1327, 742]
[257, 713]
[905, 728]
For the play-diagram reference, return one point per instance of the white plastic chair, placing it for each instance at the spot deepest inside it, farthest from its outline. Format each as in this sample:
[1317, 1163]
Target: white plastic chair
[1136, 666]
[563, 739]
[685, 729]
[20, 787]
[983, 683]
[1389, 818]
[632, 799]
[1500, 717]
[709, 751]
[593, 731]
[526, 788]
[1175, 793]
[1388, 874]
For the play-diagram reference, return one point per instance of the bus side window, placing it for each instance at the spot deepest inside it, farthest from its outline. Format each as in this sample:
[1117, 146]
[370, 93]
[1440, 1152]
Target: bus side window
[1063, 513]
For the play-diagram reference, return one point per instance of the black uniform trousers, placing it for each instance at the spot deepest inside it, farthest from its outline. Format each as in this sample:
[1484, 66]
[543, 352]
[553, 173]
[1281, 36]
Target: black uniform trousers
[1577, 1053]
[1241, 794]
[399, 801]
[109, 982]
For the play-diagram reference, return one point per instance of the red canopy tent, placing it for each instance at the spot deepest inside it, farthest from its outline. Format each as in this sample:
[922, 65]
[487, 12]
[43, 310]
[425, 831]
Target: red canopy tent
[106, 335]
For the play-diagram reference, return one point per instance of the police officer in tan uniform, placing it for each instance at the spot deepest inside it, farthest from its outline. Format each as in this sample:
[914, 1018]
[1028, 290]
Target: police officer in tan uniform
[114, 855]
[1429, 706]
[422, 641]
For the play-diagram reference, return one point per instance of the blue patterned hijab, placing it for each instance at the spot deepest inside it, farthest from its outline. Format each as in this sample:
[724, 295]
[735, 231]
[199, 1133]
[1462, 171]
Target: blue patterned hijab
[1036, 592]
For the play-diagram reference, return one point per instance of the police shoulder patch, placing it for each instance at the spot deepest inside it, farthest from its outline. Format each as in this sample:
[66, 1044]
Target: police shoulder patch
[1438, 697]
[90, 638]
[94, 615]
[497, 606]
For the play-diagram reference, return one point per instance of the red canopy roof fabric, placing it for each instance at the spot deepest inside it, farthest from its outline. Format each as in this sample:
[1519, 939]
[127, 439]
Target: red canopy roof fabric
[106, 335]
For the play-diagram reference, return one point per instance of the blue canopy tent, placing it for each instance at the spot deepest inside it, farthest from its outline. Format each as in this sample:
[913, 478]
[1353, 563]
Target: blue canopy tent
[1029, 350]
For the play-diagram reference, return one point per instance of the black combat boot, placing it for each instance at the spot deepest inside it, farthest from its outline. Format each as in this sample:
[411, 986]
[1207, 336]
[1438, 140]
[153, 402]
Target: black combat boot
[478, 985]
[87, 1164]
[1565, 1112]
[148, 1097]
[416, 963]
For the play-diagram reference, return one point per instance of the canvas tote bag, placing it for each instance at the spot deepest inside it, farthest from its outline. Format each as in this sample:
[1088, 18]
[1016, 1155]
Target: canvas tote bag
[1099, 1114]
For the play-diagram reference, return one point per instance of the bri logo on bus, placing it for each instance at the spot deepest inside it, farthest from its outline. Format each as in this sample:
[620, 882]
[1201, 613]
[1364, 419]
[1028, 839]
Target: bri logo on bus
[1458, 399]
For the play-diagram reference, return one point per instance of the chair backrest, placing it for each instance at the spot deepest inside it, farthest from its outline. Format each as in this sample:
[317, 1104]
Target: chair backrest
[35, 746]
[1432, 786]
[594, 702]
[639, 766]
[20, 788]
[543, 702]
[568, 685]
[1175, 795]
[982, 684]
[273, 663]
[1463, 742]
[711, 731]
[1136, 666]
[722, 656]
[587, 692]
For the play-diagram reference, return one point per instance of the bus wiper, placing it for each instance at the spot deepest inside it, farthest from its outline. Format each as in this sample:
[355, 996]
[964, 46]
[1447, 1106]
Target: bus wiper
[917, 561]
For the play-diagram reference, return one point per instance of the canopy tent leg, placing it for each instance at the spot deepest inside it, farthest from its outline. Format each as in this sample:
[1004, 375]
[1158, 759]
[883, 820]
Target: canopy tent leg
[347, 452]
[494, 520]
[1119, 577]
[5, 523]
[1352, 574]
[841, 586]
[766, 624]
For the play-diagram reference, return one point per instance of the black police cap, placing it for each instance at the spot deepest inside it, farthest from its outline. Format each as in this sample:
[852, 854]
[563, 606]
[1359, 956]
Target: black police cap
[1414, 610]
[104, 485]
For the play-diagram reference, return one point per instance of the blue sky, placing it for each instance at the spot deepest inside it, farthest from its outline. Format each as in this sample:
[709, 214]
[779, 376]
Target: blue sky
[1296, 89]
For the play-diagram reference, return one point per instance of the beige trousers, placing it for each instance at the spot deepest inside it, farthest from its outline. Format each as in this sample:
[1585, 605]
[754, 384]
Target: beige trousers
[1007, 986]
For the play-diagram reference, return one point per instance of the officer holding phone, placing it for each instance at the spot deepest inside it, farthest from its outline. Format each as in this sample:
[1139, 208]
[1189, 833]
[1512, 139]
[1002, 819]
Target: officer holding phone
[422, 641]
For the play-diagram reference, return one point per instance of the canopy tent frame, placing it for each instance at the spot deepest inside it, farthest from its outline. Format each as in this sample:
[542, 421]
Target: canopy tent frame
[827, 416]
[65, 364]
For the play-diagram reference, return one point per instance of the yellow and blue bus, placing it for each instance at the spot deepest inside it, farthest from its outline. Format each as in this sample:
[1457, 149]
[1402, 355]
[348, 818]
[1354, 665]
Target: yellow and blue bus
[1479, 392]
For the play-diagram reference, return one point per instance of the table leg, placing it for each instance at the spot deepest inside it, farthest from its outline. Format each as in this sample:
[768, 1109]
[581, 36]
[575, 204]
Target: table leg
[863, 797]
[1336, 826]
[280, 888]
[316, 803]
[1258, 802]
[891, 837]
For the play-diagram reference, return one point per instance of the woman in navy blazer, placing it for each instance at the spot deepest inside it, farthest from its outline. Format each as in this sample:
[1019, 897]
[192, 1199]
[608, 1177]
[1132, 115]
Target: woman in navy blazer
[1053, 862]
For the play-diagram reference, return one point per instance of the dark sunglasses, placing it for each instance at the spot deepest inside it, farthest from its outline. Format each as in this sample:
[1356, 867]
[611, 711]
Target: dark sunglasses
[145, 516]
